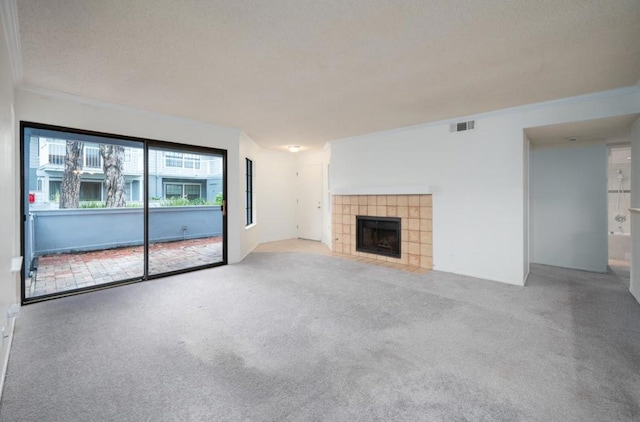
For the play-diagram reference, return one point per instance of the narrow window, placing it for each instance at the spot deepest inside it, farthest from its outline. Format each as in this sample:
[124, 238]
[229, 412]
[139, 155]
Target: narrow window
[249, 192]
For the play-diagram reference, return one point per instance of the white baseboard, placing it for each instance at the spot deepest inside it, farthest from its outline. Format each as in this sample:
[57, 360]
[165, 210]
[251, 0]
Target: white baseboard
[6, 350]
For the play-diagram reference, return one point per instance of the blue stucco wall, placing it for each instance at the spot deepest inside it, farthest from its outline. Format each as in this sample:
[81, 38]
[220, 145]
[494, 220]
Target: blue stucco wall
[60, 231]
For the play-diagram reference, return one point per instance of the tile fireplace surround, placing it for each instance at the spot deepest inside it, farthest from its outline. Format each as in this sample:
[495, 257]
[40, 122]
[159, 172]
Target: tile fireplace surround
[415, 212]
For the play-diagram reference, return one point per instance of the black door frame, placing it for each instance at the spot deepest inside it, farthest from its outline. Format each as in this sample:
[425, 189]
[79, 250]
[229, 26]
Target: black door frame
[147, 143]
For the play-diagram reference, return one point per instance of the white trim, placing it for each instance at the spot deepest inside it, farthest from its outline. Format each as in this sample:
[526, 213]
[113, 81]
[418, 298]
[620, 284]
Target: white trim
[628, 90]
[9, 12]
[119, 107]
[5, 362]
[383, 190]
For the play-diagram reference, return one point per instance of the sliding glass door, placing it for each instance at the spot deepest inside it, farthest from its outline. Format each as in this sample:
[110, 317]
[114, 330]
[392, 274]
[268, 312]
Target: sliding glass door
[101, 209]
[185, 208]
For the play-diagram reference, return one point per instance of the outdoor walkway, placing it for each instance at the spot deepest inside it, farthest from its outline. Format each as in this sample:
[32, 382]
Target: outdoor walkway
[62, 272]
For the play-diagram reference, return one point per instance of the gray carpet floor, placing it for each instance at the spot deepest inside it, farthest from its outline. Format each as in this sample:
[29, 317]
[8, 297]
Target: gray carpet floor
[302, 337]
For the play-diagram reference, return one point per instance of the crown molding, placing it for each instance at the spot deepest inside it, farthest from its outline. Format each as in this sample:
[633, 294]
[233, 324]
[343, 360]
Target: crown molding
[9, 12]
[119, 107]
[627, 90]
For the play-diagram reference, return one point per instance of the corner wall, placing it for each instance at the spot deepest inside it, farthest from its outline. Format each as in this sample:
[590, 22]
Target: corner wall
[9, 229]
[569, 206]
[635, 217]
[276, 196]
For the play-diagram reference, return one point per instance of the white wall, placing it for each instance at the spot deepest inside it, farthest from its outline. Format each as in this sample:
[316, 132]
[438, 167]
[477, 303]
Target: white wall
[569, 206]
[635, 203]
[477, 177]
[9, 229]
[249, 235]
[74, 112]
[526, 229]
[276, 196]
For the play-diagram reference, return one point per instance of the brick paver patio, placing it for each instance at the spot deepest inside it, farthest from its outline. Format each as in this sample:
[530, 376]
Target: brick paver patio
[62, 272]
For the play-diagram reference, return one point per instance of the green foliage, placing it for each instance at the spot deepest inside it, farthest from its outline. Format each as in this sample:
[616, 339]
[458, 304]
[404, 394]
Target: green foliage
[91, 204]
[183, 202]
[218, 200]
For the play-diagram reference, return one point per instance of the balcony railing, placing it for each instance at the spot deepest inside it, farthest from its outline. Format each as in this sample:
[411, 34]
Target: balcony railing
[52, 154]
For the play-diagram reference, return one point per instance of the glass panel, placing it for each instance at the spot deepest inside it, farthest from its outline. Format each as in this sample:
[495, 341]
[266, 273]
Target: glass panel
[185, 213]
[74, 238]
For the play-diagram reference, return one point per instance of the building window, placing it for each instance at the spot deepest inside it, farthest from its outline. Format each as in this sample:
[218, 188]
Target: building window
[91, 191]
[249, 191]
[188, 191]
[57, 152]
[92, 157]
[55, 186]
[180, 160]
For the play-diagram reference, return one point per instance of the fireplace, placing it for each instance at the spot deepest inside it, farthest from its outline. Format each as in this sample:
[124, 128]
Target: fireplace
[378, 235]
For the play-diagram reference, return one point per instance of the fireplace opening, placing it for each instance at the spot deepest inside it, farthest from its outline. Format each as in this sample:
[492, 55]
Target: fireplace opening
[378, 235]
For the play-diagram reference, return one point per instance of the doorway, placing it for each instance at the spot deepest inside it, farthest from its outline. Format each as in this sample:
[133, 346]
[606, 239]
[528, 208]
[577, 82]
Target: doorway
[619, 200]
[102, 209]
[309, 202]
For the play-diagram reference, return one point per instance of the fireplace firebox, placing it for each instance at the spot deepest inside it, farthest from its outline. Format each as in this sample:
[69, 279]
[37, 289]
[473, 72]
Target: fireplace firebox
[378, 235]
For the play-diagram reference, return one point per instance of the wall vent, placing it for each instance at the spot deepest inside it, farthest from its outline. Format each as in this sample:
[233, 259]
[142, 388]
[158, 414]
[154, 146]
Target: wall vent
[462, 126]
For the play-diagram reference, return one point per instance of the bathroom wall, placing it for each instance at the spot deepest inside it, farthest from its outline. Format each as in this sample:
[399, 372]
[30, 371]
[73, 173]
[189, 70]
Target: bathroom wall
[619, 203]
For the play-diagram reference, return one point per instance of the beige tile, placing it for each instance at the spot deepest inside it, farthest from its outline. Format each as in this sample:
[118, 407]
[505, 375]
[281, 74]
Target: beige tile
[414, 212]
[414, 236]
[346, 229]
[426, 250]
[392, 211]
[414, 200]
[346, 209]
[362, 199]
[426, 238]
[346, 200]
[381, 210]
[403, 212]
[346, 239]
[337, 247]
[404, 234]
[425, 201]
[392, 200]
[338, 228]
[346, 219]
[426, 263]
[404, 246]
[381, 200]
[404, 259]
[426, 212]
[371, 210]
[426, 225]
[353, 210]
[338, 199]
[414, 248]
[403, 201]
[371, 200]
[414, 260]
[414, 224]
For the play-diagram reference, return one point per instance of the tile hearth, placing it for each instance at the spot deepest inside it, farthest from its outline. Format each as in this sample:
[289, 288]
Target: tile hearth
[415, 212]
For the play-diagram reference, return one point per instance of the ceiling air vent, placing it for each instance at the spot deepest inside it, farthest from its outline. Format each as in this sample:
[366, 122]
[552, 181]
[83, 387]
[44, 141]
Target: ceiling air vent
[462, 126]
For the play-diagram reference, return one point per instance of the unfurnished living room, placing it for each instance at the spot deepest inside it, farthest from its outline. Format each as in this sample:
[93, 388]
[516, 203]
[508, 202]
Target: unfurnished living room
[330, 210]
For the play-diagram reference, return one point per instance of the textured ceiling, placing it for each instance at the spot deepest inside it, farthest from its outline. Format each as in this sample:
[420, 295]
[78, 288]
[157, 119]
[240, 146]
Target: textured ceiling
[310, 71]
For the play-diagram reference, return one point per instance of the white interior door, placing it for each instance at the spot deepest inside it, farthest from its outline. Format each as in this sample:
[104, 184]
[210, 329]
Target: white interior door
[309, 211]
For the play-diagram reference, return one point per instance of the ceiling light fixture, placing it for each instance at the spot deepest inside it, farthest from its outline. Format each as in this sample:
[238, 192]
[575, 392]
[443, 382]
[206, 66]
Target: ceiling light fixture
[294, 148]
